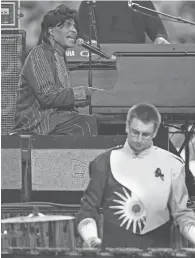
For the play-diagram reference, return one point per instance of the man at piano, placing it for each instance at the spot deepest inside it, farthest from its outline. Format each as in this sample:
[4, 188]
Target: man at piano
[46, 103]
[140, 189]
[117, 22]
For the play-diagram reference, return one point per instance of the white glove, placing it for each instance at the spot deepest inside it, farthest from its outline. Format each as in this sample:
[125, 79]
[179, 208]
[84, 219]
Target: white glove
[87, 228]
[191, 234]
[93, 242]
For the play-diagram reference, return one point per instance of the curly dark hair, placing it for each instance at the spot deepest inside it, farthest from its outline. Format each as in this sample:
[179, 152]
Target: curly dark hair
[56, 17]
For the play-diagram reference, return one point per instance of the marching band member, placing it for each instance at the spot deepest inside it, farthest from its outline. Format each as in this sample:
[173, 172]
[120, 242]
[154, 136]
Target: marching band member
[140, 189]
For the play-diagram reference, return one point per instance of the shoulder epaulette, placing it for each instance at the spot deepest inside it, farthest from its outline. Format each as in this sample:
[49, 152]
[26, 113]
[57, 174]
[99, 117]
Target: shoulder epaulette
[107, 152]
[117, 147]
[177, 158]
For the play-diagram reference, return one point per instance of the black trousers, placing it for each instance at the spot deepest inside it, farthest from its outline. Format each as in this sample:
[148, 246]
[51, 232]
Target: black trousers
[74, 123]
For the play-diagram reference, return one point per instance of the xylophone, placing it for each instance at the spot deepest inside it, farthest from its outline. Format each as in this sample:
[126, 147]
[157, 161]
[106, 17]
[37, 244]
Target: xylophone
[45, 226]
[98, 253]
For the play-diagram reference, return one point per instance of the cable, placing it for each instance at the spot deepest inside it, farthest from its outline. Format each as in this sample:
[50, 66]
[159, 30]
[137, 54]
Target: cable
[188, 138]
[173, 126]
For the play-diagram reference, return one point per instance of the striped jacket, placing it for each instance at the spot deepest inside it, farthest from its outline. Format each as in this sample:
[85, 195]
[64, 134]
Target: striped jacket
[44, 87]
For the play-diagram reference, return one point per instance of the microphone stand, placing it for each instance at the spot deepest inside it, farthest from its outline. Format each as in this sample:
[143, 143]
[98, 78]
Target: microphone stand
[134, 5]
[92, 25]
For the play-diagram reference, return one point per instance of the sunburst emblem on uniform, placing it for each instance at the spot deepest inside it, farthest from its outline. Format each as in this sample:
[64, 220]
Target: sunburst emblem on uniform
[131, 211]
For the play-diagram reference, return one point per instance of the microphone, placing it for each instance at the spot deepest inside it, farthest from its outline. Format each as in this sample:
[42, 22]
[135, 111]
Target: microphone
[95, 50]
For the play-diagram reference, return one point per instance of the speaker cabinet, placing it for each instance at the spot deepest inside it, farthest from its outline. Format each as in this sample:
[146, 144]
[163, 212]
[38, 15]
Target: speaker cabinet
[11, 169]
[60, 163]
[12, 52]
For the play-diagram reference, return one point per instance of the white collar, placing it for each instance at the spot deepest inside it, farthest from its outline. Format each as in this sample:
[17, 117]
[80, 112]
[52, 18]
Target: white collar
[131, 152]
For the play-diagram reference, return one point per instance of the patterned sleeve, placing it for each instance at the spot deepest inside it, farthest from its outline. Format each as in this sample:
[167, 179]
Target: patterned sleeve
[42, 81]
[92, 199]
[153, 25]
[182, 215]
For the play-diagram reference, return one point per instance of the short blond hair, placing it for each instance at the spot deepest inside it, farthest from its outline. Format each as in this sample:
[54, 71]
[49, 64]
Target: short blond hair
[146, 113]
